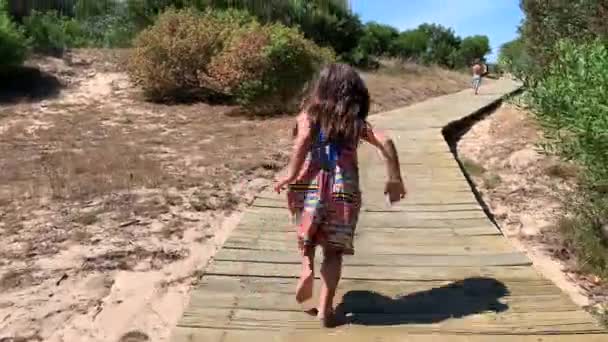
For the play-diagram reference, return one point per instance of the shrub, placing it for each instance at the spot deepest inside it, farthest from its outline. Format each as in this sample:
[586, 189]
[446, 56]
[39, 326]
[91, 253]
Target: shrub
[223, 54]
[13, 47]
[170, 59]
[410, 45]
[548, 22]
[267, 65]
[471, 48]
[514, 58]
[378, 39]
[51, 32]
[442, 44]
[108, 30]
[106, 24]
[570, 102]
[95, 25]
[585, 231]
[326, 22]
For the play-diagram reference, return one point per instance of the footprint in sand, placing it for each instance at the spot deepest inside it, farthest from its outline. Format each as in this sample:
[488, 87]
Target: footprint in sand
[134, 336]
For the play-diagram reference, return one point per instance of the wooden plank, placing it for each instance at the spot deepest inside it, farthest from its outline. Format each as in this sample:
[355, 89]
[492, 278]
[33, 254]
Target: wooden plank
[377, 203]
[506, 259]
[466, 321]
[371, 237]
[399, 243]
[503, 273]
[380, 300]
[366, 334]
[388, 232]
[286, 227]
[278, 216]
[415, 304]
[396, 250]
[405, 206]
[474, 249]
[233, 285]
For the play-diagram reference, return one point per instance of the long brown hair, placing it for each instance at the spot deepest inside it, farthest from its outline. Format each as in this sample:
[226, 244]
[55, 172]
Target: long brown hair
[338, 104]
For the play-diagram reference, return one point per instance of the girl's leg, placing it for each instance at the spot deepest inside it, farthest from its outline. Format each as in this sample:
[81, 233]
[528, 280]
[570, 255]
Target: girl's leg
[331, 271]
[305, 285]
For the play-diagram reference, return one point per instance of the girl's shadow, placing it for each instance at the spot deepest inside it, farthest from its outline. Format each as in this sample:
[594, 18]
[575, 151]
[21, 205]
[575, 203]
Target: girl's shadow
[458, 299]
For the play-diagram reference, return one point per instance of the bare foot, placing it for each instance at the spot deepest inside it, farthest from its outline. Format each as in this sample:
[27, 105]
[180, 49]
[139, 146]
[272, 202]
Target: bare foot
[329, 320]
[312, 312]
[305, 287]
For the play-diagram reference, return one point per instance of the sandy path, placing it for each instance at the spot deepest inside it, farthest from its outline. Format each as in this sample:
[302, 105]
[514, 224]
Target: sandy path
[89, 270]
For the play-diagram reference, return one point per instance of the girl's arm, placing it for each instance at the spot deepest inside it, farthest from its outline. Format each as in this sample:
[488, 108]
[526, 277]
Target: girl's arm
[394, 186]
[300, 149]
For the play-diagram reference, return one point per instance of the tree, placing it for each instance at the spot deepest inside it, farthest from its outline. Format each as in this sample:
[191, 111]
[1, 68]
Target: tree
[471, 48]
[514, 58]
[341, 31]
[411, 45]
[13, 46]
[548, 22]
[327, 22]
[378, 39]
[442, 44]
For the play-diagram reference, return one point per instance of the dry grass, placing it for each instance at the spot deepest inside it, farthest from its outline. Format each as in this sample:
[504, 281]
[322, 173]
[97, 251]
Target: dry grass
[492, 181]
[17, 278]
[472, 167]
[562, 170]
[128, 259]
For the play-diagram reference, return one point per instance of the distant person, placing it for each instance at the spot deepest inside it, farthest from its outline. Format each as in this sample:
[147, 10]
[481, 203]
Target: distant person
[479, 70]
[323, 194]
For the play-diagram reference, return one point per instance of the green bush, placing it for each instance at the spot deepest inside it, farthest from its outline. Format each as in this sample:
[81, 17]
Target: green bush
[410, 45]
[94, 25]
[442, 44]
[471, 48]
[51, 32]
[106, 24]
[225, 54]
[13, 46]
[378, 39]
[570, 102]
[272, 63]
[170, 59]
[514, 58]
[327, 22]
[548, 22]
[108, 30]
[585, 231]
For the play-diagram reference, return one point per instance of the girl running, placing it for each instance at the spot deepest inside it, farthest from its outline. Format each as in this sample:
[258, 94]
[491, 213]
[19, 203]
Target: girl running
[323, 179]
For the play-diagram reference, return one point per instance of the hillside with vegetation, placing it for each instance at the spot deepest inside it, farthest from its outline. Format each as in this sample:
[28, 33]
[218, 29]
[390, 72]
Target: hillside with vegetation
[186, 49]
[329, 23]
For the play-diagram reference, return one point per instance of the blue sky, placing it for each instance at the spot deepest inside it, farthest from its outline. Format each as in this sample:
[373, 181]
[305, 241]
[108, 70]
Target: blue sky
[497, 19]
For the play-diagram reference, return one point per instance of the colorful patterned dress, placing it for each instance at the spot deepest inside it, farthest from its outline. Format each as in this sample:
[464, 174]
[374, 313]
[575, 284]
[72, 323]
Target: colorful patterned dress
[325, 199]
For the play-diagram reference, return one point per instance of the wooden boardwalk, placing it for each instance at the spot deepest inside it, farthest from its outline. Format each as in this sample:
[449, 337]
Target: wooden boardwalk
[432, 268]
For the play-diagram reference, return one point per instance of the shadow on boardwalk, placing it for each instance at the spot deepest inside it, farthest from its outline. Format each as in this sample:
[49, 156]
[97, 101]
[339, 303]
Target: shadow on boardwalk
[458, 299]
